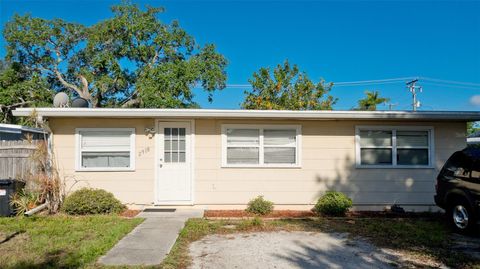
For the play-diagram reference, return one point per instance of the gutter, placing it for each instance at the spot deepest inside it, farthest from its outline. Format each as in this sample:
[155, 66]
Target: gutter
[243, 114]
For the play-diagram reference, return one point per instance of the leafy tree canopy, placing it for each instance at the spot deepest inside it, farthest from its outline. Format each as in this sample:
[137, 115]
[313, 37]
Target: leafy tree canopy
[371, 100]
[287, 89]
[18, 88]
[130, 59]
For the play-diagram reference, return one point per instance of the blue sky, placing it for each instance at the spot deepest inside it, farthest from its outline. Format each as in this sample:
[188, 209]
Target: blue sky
[339, 41]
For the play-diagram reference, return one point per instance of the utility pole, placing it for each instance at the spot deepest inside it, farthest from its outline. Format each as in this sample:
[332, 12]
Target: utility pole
[413, 89]
[391, 106]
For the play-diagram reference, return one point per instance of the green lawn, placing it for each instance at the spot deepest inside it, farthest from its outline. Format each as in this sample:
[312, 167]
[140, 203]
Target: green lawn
[60, 241]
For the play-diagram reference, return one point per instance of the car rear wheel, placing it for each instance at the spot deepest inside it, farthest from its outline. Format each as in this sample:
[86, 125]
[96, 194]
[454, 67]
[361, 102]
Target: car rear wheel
[461, 216]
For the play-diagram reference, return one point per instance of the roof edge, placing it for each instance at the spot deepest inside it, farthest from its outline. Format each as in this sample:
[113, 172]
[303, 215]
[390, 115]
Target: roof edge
[236, 113]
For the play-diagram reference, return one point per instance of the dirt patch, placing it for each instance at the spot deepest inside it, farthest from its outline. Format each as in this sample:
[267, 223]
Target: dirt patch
[129, 213]
[292, 250]
[245, 214]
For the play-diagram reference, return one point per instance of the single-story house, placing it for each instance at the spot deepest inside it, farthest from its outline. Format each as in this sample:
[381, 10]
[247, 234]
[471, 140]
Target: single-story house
[219, 159]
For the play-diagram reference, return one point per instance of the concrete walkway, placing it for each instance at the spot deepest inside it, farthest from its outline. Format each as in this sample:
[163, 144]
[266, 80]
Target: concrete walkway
[150, 242]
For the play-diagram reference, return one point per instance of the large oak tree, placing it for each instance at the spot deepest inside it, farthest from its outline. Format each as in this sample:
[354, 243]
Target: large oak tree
[130, 59]
[19, 88]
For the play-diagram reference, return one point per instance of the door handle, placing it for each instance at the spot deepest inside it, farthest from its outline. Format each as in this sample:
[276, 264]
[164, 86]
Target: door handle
[160, 165]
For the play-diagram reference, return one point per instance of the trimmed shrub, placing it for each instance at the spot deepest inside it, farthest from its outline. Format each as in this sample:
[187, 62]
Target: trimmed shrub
[91, 201]
[259, 206]
[333, 204]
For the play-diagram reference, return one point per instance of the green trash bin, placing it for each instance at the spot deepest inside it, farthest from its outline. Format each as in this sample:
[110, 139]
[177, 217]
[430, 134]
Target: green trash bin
[7, 188]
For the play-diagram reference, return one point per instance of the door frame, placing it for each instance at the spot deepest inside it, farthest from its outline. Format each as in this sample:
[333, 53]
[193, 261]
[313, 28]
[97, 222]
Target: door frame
[192, 162]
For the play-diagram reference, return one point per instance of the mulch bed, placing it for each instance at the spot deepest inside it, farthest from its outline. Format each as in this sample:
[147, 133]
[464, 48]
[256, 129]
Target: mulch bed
[245, 214]
[129, 213]
[390, 214]
[306, 214]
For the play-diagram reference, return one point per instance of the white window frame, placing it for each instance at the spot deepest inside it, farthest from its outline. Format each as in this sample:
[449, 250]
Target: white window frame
[78, 150]
[394, 129]
[261, 128]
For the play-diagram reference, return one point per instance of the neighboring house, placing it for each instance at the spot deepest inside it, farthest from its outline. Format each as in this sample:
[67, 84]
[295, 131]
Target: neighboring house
[474, 139]
[10, 132]
[223, 158]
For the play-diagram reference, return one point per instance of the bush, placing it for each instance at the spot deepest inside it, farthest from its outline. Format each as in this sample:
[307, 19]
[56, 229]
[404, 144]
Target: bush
[92, 201]
[259, 206]
[333, 204]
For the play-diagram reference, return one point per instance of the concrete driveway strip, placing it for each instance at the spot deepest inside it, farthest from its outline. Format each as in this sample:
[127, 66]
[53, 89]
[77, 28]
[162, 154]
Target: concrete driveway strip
[151, 241]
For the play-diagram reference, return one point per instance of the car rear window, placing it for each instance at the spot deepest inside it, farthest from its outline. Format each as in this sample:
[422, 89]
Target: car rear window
[458, 165]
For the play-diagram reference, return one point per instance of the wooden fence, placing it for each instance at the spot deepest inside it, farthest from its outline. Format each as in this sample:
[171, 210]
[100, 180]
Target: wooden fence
[15, 160]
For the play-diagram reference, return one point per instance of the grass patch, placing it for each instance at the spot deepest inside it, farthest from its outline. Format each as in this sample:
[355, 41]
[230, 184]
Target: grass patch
[419, 237]
[60, 241]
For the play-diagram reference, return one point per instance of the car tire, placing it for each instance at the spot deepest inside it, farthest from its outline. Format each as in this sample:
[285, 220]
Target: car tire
[461, 216]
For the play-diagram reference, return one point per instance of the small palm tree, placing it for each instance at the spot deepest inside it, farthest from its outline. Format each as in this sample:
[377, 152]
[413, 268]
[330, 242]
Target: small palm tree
[371, 101]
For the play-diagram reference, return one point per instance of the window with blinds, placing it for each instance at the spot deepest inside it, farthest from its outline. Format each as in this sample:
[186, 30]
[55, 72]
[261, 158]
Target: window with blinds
[105, 149]
[394, 146]
[260, 146]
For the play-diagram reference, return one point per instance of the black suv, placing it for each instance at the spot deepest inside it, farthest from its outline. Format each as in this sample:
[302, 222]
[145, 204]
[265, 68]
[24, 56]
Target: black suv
[458, 189]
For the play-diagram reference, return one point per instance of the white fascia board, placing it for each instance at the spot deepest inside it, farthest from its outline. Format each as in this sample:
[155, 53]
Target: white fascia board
[14, 128]
[270, 114]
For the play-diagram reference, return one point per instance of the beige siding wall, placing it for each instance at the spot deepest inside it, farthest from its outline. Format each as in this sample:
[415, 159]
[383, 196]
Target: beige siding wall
[328, 163]
[135, 187]
[327, 158]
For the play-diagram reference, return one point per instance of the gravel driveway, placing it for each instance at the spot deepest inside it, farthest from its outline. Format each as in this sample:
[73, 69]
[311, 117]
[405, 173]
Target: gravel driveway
[288, 250]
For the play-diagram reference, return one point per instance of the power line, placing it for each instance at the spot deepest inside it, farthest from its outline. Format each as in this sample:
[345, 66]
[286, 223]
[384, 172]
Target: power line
[450, 81]
[451, 86]
[341, 84]
[432, 81]
[373, 81]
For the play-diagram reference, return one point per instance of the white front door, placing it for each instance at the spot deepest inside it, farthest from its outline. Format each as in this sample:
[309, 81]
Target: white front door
[174, 181]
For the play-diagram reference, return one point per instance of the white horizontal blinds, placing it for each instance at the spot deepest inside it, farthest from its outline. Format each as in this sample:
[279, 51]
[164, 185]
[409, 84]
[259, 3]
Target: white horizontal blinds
[412, 147]
[375, 138]
[243, 137]
[413, 139]
[107, 149]
[243, 146]
[279, 146]
[105, 140]
[376, 147]
[174, 145]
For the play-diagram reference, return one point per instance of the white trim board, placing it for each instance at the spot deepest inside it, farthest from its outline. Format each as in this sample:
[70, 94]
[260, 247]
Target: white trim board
[260, 114]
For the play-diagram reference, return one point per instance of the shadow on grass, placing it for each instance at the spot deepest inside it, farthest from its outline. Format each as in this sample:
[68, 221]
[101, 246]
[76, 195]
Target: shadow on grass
[53, 259]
